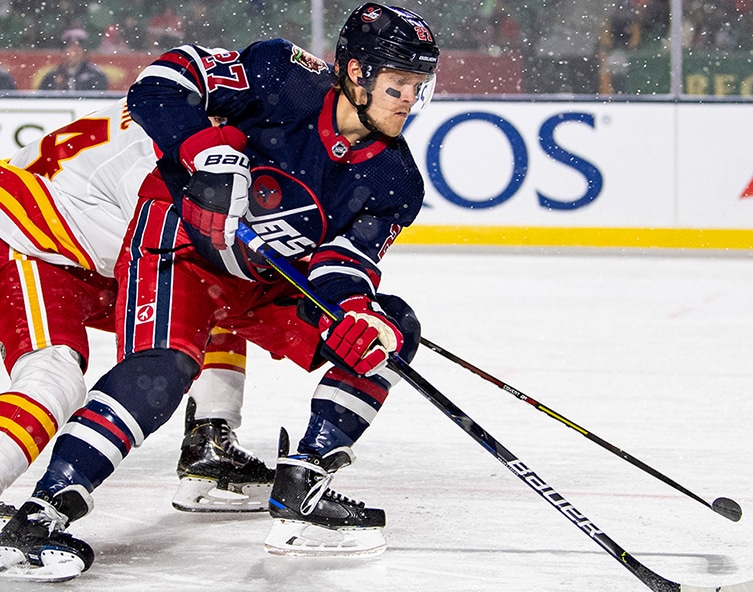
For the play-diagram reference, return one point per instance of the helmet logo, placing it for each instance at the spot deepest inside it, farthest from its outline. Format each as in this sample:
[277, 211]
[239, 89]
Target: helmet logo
[371, 14]
[307, 60]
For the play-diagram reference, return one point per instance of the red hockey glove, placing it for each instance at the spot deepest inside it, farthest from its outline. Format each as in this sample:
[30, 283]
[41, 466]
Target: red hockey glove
[217, 193]
[364, 337]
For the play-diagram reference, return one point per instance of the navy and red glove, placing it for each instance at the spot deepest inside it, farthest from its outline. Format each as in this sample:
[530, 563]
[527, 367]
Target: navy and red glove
[217, 194]
[363, 338]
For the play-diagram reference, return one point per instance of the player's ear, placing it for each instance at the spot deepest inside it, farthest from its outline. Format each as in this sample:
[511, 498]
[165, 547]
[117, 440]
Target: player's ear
[355, 75]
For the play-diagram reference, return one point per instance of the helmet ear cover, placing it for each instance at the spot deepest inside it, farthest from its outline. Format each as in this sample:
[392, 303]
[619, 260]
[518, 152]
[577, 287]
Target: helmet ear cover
[364, 78]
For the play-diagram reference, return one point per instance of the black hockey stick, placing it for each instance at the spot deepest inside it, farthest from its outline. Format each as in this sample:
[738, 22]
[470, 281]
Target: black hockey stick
[651, 579]
[723, 506]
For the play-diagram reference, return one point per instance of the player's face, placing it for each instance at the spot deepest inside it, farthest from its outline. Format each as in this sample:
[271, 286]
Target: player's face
[394, 94]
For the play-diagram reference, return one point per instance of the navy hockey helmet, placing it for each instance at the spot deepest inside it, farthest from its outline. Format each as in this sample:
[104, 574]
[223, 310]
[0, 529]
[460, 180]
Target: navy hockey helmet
[379, 36]
[386, 37]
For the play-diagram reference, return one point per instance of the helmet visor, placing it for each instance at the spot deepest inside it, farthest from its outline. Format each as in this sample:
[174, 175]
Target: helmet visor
[401, 86]
[424, 94]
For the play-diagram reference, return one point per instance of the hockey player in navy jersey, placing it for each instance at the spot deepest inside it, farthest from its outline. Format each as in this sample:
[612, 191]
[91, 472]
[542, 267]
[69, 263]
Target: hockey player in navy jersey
[312, 158]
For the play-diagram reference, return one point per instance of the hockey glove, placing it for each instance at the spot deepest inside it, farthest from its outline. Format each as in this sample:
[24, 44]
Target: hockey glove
[217, 194]
[363, 338]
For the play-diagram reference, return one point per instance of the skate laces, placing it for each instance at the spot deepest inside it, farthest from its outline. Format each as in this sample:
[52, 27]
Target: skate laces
[229, 441]
[49, 517]
[339, 497]
[321, 489]
[315, 494]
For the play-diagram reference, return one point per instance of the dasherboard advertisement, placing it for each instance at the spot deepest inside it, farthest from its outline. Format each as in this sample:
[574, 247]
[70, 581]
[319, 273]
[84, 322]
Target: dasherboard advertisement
[585, 164]
[547, 166]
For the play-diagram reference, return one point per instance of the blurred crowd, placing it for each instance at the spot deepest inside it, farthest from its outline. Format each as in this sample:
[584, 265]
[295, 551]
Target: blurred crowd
[581, 46]
[135, 25]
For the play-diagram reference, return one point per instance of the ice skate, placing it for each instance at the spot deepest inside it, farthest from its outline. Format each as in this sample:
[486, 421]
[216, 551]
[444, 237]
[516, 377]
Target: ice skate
[33, 544]
[314, 521]
[216, 474]
[6, 513]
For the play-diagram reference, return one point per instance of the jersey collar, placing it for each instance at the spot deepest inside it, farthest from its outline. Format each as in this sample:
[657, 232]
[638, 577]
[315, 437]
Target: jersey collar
[338, 147]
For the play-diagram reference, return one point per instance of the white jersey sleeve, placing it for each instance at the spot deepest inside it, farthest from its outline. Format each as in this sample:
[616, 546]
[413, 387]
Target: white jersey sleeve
[77, 190]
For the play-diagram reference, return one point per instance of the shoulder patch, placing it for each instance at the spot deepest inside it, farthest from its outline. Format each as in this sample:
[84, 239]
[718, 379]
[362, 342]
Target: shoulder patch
[307, 60]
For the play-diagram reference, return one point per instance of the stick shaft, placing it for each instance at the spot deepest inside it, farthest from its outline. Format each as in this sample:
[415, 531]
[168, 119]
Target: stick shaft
[473, 429]
[564, 420]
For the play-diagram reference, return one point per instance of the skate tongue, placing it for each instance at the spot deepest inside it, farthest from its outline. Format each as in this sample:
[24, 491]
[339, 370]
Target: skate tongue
[283, 446]
[338, 458]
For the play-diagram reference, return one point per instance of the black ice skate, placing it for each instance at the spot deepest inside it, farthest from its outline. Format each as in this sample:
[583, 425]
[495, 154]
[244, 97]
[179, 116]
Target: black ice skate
[312, 520]
[33, 544]
[6, 513]
[216, 474]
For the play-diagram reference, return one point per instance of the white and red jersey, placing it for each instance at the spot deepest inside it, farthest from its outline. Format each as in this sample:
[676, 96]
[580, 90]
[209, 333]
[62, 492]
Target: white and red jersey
[68, 198]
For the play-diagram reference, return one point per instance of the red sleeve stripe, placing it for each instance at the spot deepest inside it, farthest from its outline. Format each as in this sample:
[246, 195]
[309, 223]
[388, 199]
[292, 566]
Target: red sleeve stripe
[326, 256]
[334, 260]
[185, 64]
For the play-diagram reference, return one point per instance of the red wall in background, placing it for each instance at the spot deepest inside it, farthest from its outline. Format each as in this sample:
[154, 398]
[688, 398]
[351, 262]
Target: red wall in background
[29, 67]
[460, 72]
[473, 73]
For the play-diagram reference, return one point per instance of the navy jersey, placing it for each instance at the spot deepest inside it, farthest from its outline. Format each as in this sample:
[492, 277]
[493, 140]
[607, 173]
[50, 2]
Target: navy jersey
[313, 193]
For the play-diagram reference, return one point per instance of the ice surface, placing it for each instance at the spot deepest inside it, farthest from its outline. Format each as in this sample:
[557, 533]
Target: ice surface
[652, 353]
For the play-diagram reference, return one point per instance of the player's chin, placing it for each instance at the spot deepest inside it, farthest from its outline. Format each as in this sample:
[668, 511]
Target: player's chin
[395, 126]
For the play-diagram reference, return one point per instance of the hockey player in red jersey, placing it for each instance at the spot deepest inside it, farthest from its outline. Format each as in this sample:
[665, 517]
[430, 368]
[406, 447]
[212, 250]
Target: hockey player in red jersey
[65, 203]
[312, 158]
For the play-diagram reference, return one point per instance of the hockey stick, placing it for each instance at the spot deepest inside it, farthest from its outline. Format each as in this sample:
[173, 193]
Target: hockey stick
[723, 506]
[651, 579]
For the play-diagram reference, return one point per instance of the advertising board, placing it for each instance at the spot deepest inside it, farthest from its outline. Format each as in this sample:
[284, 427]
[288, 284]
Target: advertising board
[552, 173]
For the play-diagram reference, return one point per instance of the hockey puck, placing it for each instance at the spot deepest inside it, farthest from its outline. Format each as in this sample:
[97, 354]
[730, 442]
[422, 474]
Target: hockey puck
[728, 508]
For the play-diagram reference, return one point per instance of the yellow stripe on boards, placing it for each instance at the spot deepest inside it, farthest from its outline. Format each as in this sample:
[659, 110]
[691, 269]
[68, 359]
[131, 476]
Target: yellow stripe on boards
[524, 236]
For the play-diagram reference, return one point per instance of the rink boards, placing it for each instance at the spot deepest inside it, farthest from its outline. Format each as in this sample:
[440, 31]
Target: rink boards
[549, 172]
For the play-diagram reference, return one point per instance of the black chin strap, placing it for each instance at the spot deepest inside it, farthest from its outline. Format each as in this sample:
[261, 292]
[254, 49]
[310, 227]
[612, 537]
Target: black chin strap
[363, 117]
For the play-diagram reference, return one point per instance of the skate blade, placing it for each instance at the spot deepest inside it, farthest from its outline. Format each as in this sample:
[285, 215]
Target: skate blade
[58, 566]
[202, 495]
[301, 539]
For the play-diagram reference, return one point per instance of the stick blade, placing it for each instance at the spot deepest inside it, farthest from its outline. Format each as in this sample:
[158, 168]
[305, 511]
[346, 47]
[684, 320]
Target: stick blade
[728, 508]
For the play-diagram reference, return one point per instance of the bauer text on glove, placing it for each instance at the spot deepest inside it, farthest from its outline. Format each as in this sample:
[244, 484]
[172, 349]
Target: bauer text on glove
[217, 193]
[363, 338]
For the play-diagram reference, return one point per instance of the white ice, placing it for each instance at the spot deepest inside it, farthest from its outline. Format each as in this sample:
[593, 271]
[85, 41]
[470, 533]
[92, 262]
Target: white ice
[651, 352]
